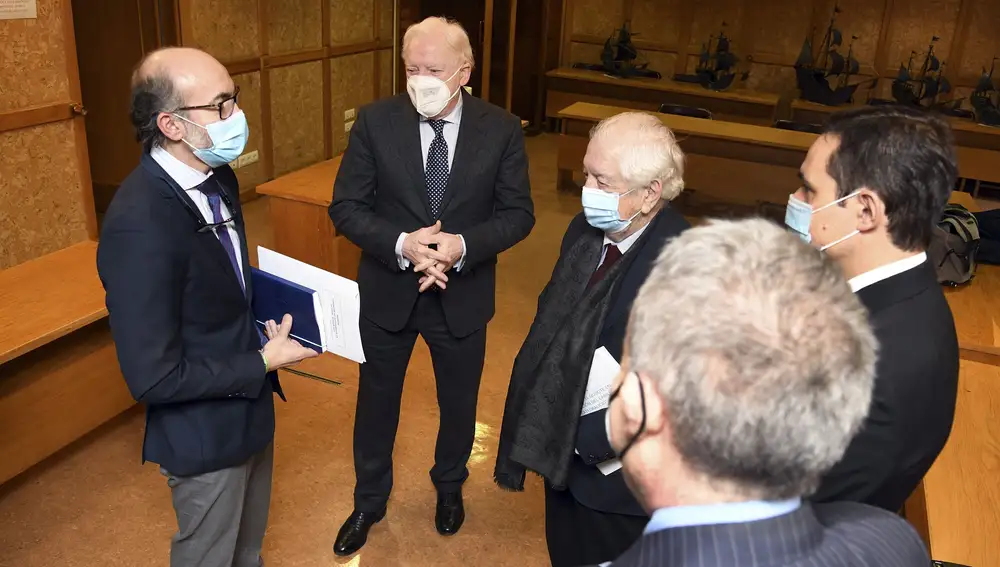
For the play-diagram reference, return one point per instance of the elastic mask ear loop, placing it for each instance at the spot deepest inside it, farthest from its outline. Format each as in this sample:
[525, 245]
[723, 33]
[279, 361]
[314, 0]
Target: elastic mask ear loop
[849, 235]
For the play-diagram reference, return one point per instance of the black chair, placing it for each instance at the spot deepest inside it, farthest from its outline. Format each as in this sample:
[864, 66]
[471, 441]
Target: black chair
[798, 126]
[681, 110]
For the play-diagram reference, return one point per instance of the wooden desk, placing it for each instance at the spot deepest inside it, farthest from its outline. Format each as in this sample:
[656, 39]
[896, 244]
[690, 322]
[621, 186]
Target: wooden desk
[764, 159]
[968, 134]
[566, 86]
[59, 374]
[302, 226]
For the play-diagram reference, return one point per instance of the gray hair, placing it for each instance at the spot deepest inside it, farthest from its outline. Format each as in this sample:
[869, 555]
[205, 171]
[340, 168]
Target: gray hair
[646, 151]
[454, 35]
[763, 356]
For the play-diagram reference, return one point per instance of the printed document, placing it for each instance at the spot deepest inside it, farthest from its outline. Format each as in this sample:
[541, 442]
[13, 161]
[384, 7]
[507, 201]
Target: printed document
[339, 297]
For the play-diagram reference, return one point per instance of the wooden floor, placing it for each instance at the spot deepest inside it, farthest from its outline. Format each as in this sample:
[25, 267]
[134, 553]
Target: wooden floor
[94, 505]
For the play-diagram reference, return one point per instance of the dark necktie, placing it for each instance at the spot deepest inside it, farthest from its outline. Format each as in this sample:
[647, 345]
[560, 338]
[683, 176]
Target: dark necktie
[437, 167]
[213, 190]
[612, 255]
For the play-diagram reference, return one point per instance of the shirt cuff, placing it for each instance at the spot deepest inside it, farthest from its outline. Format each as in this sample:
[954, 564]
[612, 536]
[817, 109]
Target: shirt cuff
[403, 262]
[607, 424]
[461, 261]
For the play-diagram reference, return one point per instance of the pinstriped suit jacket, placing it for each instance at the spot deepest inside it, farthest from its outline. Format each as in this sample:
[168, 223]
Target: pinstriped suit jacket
[843, 534]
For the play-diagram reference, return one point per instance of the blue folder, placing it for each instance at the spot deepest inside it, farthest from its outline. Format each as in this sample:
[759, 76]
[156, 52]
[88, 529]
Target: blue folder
[273, 297]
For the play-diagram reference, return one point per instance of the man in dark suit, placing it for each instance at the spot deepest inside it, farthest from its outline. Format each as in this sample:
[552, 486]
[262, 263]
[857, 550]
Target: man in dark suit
[634, 167]
[874, 186]
[173, 260]
[748, 367]
[432, 187]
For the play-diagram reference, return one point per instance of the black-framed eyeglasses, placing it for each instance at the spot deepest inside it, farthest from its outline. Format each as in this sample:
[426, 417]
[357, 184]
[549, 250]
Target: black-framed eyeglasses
[211, 227]
[225, 107]
[642, 424]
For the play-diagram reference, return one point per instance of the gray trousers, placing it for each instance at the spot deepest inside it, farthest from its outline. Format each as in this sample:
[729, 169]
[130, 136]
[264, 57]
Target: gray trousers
[222, 515]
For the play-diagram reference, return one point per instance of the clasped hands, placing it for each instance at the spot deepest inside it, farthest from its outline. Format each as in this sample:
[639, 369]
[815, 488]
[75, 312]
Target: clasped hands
[434, 263]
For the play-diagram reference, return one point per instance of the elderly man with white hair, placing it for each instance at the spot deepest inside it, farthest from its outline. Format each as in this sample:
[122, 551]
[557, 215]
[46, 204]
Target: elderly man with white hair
[634, 168]
[432, 187]
[749, 367]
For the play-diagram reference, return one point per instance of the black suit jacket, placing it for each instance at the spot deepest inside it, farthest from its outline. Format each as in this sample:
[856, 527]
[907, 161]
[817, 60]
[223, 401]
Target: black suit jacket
[843, 534]
[184, 332]
[381, 191]
[913, 404]
[586, 482]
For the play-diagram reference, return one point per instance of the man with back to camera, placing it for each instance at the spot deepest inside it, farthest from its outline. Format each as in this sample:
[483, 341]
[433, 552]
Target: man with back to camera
[634, 168]
[432, 187]
[173, 260]
[748, 367]
[874, 186]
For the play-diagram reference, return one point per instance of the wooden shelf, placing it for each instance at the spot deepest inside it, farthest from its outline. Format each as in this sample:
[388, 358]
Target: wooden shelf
[48, 298]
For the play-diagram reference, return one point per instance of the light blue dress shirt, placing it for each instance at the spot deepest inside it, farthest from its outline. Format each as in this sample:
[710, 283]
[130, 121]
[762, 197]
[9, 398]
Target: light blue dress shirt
[730, 513]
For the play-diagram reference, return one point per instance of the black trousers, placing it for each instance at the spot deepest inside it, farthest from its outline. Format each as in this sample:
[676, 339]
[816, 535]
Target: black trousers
[577, 535]
[458, 368]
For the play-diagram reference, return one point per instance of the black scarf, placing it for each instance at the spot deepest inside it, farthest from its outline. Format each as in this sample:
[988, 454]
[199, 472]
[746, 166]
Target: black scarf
[550, 373]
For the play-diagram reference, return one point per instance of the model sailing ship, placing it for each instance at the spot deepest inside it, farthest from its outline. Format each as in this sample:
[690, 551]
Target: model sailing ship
[923, 87]
[824, 77]
[618, 58]
[716, 68]
[984, 99]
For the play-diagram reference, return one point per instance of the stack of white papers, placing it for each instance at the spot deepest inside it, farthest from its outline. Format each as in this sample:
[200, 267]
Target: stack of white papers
[339, 298]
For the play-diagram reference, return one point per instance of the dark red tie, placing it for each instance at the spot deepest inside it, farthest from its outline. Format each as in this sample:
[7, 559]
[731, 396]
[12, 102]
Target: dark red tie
[612, 255]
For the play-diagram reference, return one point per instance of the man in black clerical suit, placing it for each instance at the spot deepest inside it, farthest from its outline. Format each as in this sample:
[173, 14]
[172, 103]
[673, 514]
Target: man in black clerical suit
[432, 187]
[634, 167]
[874, 185]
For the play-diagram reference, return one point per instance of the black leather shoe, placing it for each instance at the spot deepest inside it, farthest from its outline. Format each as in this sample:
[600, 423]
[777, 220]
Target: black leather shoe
[450, 513]
[354, 533]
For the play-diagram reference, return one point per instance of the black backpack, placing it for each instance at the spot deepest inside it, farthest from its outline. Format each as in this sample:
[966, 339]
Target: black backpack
[954, 246]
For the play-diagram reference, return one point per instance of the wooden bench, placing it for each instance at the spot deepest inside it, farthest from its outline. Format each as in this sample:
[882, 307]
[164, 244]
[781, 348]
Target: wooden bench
[301, 223]
[565, 86]
[59, 375]
[739, 163]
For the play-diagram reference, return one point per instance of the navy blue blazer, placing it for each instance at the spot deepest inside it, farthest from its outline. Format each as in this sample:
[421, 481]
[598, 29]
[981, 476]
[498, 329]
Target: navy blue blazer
[184, 331]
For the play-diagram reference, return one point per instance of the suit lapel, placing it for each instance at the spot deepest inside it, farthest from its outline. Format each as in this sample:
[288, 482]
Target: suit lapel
[899, 287]
[467, 148]
[406, 124]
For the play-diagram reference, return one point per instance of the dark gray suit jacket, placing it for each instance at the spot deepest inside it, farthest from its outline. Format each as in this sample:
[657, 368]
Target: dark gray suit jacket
[843, 534]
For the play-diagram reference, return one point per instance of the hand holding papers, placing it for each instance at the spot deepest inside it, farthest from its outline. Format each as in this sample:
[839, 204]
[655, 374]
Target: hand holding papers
[282, 351]
[336, 303]
[603, 370]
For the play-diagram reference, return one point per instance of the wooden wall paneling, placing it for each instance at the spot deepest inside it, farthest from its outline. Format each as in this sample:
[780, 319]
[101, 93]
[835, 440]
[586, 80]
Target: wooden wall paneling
[981, 41]
[911, 26]
[351, 21]
[484, 87]
[685, 21]
[35, 116]
[264, 170]
[86, 189]
[37, 49]
[296, 111]
[352, 86]
[385, 58]
[956, 47]
[566, 47]
[327, 86]
[292, 26]
[511, 44]
[228, 29]
[43, 211]
[252, 103]
[597, 17]
[862, 18]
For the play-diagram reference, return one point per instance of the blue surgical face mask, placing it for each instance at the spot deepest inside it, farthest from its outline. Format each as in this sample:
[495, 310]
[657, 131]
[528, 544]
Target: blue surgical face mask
[601, 210]
[798, 217]
[229, 138]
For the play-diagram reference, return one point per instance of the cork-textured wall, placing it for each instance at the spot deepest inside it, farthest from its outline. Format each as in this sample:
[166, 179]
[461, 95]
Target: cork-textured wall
[42, 209]
[300, 65]
[769, 33]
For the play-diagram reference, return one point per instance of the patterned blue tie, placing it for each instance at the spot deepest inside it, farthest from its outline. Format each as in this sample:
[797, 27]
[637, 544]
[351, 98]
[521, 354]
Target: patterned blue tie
[437, 167]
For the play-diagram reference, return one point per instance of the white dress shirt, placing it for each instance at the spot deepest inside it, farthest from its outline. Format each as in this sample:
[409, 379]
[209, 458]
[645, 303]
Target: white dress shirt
[623, 246]
[452, 122]
[885, 272]
[189, 178]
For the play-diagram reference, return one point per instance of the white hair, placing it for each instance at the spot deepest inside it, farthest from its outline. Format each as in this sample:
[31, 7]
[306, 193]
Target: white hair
[645, 150]
[452, 31]
[763, 356]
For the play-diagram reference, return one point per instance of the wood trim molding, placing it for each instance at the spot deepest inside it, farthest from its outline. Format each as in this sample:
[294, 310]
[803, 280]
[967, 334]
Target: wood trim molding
[484, 86]
[327, 81]
[294, 58]
[35, 116]
[641, 44]
[243, 66]
[628, 9]
[79, 128]
[511, 44]
[185, 11]
[882, 46]
[979, 353]
[352, 48]
[961, 35]
[685, 23]
[565, 47]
